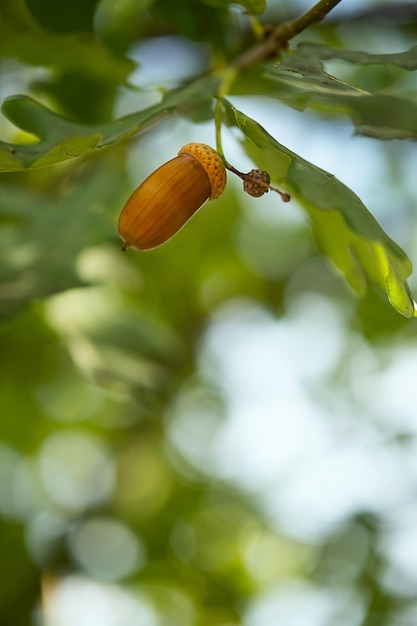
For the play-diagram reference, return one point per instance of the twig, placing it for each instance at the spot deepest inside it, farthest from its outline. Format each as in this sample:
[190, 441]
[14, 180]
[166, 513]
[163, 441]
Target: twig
[270, 46]
[279, 37]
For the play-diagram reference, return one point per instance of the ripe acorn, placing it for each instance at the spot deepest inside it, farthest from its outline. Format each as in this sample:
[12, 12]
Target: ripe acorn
[170, 196]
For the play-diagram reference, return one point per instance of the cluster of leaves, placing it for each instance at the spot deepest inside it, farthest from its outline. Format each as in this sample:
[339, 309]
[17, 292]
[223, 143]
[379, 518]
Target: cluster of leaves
[344, 229]
[113, 373]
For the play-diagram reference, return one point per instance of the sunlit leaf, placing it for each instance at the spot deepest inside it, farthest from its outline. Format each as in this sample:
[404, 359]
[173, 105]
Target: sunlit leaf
[61, 139]
[344, 229]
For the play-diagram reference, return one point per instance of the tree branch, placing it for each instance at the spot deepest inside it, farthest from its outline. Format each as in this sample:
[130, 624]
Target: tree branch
[279, 37]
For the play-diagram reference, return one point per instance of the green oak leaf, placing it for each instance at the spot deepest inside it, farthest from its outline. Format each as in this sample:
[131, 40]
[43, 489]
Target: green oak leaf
[300, 82]
[61, 139]
[343, 227]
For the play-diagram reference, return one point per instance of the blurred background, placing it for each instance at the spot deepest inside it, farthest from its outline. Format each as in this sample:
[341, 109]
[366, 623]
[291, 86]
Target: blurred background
[216, 432]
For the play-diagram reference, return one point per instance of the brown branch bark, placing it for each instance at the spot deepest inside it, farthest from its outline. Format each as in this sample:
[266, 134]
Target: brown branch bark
[277, 40]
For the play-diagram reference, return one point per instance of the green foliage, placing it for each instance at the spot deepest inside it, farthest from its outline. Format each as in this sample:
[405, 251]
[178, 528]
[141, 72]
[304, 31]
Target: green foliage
[301, 83]
[344, 228]
[61, 139]
[49, 240]
[23, 38]
[405, 60]
[353, 240]
[194, 18]
[124, 375]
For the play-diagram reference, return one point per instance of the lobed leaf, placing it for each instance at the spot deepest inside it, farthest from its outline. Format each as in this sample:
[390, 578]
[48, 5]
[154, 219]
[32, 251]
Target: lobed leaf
[344, 229]
[300, 81]
[61, 139]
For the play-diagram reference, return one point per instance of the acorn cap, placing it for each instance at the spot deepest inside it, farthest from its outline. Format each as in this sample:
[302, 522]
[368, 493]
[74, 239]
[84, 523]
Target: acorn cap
[212, 163]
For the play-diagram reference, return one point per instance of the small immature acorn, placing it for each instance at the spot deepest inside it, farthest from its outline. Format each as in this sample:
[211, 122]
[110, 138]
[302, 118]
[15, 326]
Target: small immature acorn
[170, 196]
[257, 182]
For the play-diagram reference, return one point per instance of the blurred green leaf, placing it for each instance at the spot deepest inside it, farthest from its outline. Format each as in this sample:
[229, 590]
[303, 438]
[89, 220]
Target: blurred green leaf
[195, 19]
[123, 345]
[64, 16]
[345, 230]
[20, 587]
[46, 229]
[23, 38]
[301, 82]
[62, 139]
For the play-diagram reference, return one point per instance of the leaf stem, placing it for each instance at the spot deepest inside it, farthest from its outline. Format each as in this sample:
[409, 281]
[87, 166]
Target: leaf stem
[257, 28]
[278, 38]
[228, 78]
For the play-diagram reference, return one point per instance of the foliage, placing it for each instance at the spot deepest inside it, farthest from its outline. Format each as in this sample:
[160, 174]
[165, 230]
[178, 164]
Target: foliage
[114, 471]
[298, 80]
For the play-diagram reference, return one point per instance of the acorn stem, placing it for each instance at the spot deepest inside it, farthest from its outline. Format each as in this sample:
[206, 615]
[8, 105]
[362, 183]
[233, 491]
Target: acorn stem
[235, 171]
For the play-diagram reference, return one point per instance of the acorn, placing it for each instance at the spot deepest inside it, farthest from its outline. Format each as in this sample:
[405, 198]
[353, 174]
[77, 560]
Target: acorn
[170, 196]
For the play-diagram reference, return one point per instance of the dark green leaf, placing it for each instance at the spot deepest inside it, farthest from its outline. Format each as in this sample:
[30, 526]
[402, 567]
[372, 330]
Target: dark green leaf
[195, 19]
[64, 16]
[22, 38]
[345, 230]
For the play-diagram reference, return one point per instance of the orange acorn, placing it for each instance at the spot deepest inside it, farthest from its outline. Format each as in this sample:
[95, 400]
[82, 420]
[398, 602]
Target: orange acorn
[170, 196]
